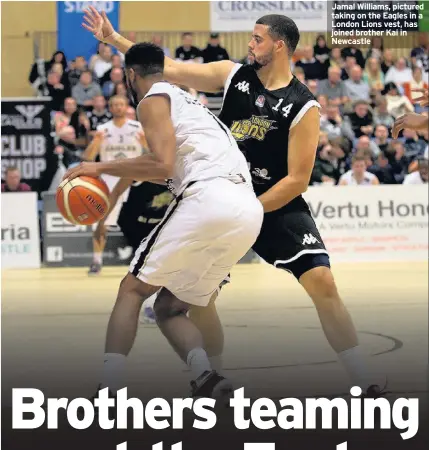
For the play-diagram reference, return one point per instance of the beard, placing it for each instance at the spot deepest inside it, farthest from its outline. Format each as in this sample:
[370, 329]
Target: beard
[262, 61]
[132, 96]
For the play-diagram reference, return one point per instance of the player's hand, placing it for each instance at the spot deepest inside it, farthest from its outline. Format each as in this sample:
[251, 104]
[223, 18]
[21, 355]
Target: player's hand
[424, 99]
[411, 121]
[98, 24]
[89, 169]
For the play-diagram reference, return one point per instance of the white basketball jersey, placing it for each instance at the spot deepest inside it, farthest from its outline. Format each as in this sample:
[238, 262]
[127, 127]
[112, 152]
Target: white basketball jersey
[204, 145]
[120, 142]
[351, 180]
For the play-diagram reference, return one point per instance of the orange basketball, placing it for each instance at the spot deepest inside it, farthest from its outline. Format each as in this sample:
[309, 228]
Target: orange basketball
[83, 200]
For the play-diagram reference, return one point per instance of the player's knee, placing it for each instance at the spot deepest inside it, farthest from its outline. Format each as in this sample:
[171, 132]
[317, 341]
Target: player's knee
[167, 306]
[130, 288]
[323, 287]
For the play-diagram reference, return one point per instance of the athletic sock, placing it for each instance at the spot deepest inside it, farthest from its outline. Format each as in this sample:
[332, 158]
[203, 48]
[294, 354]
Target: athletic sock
[98, 258]
[113, 371]
[354, 362]
[216, 363]
[198, 362]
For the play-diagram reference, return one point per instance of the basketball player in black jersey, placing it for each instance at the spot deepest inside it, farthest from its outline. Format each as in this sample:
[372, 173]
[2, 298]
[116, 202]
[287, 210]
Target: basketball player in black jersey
[275, 120]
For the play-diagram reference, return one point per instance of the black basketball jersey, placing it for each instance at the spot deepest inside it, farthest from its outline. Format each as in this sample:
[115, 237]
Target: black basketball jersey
[260, 121]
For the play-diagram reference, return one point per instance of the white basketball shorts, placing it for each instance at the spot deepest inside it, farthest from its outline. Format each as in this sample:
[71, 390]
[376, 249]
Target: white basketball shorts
[203, 234]
[111, 182]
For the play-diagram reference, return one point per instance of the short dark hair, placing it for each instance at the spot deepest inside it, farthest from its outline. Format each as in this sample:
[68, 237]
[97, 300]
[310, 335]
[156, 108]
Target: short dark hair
[145, 58]
[281, 28]
[187, 33]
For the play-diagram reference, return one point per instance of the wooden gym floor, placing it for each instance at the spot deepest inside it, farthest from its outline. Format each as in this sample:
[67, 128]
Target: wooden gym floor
[54, 322]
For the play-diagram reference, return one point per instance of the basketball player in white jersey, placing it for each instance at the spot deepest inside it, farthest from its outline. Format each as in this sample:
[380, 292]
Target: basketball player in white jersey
[358, 175]
[116, 139]
[213, 221]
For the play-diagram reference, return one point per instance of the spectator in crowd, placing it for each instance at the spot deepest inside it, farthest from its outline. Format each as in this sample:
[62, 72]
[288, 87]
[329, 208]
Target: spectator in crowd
[67, 117]
[131, 113]
[99, 114]
[358, 174]
[116, 77]
[381, 114]
[158, 40]
[398, 160]
[365, 144]
[97, 56]
[188, 52]
[312, 86]
[86, 90]
[419, 55]
[350, 62]
[214, 52]
[323, 102]
[382, 170]
[420, 176]
[397, 104]
[321, 53]
[334, 88]
[79, 67]
[104, 62]
[356, 53]
[41, 68]
[64, 79]
[332, 123]
[417, 82]
[299, 74]
[399, 73]
[376, 48]
[388, 60]
[373, 74]
[120, 89]
[414, 146]
[12, 181]
[360, 119]
[357, 89]
[335, 58]
[56, 91]
[329, 163]
[313, 70]
[116, 64]
[382, 137]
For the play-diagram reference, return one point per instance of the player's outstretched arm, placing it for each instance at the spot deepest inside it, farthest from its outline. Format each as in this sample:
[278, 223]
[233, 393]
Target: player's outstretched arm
[303, 140]
[209, 77]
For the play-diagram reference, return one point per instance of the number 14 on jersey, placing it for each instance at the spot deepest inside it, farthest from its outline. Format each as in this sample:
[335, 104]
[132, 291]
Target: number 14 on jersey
[247, 446]
[285, 109]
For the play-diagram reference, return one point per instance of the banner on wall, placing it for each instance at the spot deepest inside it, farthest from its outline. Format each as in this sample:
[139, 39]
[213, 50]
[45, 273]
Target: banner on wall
[372, 223]
[72, 38]
[20, 234]
[26, 140]
[242, 15]
[69, 245]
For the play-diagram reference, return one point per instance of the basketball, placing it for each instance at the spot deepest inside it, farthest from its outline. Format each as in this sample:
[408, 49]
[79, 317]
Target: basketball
[83, 200]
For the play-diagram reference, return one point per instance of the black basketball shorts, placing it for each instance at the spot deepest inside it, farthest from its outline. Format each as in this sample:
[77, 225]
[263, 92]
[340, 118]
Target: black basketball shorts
[291, 241]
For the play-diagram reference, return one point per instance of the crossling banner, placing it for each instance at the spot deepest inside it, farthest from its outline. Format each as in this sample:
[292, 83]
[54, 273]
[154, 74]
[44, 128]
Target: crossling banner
[26, 140]
[372, 223]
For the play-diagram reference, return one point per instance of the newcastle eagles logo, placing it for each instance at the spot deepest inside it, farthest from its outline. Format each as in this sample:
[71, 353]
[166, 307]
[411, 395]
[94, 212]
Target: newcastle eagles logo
[256, 127]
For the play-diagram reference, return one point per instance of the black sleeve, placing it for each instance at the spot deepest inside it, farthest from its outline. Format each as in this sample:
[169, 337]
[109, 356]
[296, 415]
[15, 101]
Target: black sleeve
[177, 52]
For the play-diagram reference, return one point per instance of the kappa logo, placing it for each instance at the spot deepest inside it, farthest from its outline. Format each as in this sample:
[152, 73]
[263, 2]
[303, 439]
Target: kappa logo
[261, 173]
[243, 86]
[310, 239]
[29, 111]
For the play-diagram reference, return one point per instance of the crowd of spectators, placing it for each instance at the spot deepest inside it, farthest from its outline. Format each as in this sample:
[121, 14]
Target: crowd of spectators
[360, 93]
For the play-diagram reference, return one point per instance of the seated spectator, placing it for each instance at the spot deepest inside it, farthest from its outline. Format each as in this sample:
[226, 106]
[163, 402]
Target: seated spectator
[64, 79]
[328, 165]
[399, 73]
[416, 83]
[12, 181]
[334, 88]
[398, 160]
[86, 90]
[382, 140]
[41, 68]
[99, 114]
[299, 74]
[120, 89]
[321, 53]
[187, 52]
[116, 64]
[78, 69]
[358, 174]
[414, 146]
[323, 102]
[383, 170]
[356, 53]
[214, 52]
[397, 104]
[373, 74]
[388, 60]
[332, 122]
[357, 89]
[335, 58]
[104, 62]
[376, 48]
[364, 144]
[360, 119]
[419, 55]
[68, 116]
[131, 113]
[381, 114]
[57, 91]
[116, 77]
[312, 86]
[312, 68]
[94, 58]
[159, 42]
[348, 66]
[420, 176]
